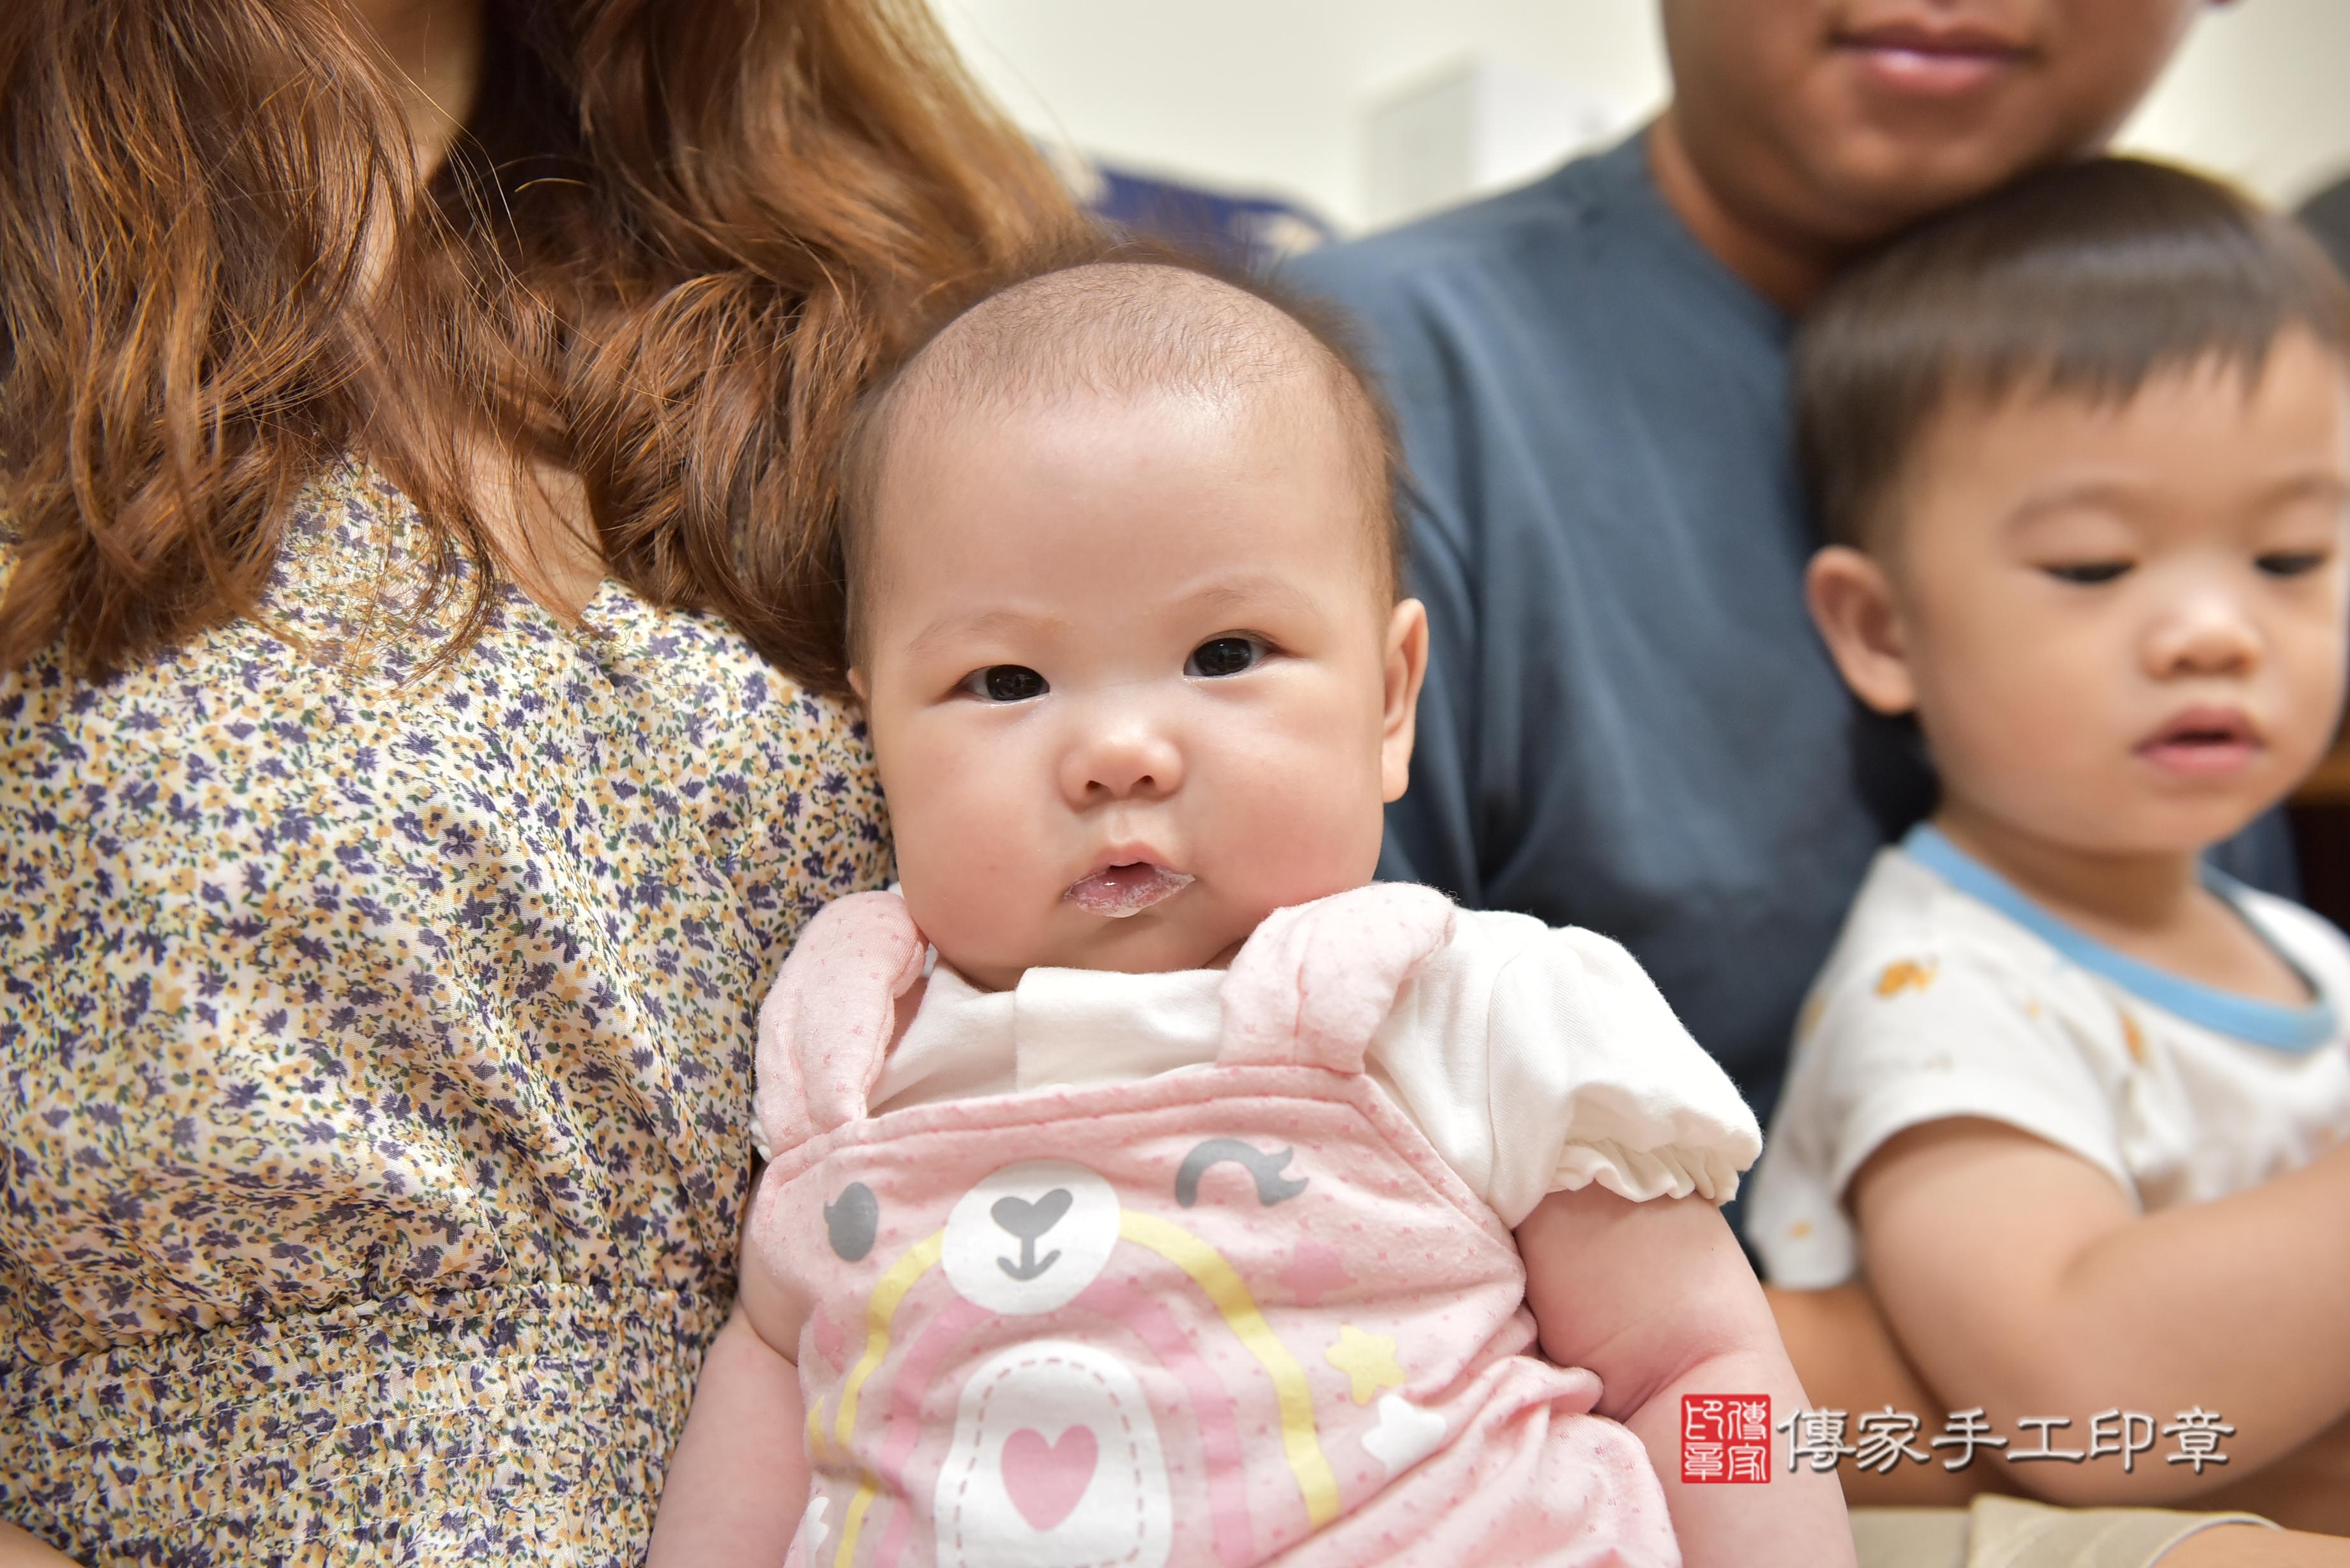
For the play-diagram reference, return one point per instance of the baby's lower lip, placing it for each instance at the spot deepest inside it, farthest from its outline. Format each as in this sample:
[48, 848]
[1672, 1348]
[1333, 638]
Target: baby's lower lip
[1119, 891]
[2200, 758]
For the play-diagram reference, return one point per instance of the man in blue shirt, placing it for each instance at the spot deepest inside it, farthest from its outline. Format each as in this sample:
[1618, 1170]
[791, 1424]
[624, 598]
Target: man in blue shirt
[1629, 723]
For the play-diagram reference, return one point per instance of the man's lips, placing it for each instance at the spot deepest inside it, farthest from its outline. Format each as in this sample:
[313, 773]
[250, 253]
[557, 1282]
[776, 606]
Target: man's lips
[1925, 61]
[2202, 742]
[1118, 891]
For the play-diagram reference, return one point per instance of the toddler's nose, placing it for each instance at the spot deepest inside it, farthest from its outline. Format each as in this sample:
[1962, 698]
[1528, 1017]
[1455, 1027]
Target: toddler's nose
[2208, 633]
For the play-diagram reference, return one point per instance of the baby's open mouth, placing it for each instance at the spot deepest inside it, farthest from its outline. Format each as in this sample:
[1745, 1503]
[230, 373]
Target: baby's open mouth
[1118, 891]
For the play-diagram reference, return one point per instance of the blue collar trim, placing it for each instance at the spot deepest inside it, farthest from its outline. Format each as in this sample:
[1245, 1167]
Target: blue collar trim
[2298, 1029]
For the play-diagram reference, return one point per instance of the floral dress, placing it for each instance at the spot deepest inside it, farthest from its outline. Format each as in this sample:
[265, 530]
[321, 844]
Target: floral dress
[375, 1061]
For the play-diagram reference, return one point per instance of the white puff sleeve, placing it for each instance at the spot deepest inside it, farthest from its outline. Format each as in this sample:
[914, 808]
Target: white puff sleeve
[1543, 1059]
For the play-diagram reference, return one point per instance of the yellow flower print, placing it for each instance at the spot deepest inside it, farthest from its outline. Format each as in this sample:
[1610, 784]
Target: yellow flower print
[1906, 974]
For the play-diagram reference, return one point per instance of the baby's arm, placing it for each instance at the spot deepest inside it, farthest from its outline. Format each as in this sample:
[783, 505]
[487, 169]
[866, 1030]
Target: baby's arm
[1658, 1301]
[738, 1481]
[2021, 1278]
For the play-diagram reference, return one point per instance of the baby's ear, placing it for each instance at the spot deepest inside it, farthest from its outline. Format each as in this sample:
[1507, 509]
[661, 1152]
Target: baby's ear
[1406, 667]
[857, 684]
[1851, 604]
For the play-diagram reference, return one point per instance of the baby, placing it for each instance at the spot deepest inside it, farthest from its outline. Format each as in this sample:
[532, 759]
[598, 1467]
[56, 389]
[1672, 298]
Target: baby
[2075, 1099]
[1147, 1187]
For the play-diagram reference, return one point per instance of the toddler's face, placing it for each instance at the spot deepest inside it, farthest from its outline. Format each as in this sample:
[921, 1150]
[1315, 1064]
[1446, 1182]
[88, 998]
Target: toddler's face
[2123, 626]
[1132, 680]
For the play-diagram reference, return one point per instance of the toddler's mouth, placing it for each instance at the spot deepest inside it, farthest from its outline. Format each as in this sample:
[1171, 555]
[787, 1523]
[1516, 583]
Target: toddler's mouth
[2204, 741]
[1116, 892]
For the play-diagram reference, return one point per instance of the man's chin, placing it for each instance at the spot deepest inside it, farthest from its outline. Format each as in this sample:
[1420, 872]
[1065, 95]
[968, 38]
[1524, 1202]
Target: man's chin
[1891, 182]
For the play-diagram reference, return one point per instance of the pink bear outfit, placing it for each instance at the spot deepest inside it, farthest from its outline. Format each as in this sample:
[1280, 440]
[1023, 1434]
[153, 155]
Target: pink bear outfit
[1232, 1314]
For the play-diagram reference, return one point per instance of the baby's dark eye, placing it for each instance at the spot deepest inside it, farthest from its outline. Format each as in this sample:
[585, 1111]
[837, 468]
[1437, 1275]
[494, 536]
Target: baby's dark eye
[2289, 562]
[1223, 655]
[2087, 574]
[1005, 683]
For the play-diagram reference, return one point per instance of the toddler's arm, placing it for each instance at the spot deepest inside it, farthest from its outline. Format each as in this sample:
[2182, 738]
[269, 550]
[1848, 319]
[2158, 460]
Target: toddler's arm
[2021, 1278]
[1844, 1355]
[1658, 1301]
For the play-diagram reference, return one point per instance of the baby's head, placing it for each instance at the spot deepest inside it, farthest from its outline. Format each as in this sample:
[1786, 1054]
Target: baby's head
[1122, 555]
[2082, 451]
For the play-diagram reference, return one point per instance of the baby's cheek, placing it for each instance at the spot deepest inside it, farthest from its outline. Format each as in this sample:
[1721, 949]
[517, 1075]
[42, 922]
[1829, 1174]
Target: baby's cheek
[976, 908]
[1304, 829]
[971, 867]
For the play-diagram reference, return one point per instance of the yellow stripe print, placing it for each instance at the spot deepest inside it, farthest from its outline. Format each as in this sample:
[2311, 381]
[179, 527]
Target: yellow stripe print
[881, 1312]
[1224, 1285]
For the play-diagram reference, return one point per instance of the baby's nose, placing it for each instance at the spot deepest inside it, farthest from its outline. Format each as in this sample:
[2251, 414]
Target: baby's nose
[1126, 759]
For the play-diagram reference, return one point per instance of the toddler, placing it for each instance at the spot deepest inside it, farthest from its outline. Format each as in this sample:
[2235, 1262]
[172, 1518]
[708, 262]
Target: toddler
[1145, 1186]
[2071, 1098]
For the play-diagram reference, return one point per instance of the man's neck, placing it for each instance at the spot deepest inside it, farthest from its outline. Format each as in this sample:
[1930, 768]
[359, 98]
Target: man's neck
[1783, 270]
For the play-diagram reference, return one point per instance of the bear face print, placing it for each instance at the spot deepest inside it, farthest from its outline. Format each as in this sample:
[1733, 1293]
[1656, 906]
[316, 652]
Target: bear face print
[1029, 1238]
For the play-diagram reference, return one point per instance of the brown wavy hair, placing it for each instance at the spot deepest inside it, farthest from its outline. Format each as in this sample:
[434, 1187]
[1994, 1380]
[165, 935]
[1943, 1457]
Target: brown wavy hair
[668, 249]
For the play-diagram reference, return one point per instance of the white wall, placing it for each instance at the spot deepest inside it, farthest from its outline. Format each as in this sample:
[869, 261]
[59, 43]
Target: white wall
[1272, 94]
[2260, 94]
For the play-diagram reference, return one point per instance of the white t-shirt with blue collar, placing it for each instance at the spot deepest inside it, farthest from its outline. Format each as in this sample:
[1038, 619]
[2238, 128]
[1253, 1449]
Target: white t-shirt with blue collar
[1951, 994]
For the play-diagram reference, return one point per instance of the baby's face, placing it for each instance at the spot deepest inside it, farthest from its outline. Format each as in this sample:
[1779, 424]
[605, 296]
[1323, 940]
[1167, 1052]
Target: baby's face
[2124, 625]
[1132, 678]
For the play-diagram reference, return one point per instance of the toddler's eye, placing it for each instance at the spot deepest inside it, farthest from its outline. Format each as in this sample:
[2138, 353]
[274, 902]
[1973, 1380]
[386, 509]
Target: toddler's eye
[2289, 562]
[2087, 574]
[1005, 683]
[1223, 655]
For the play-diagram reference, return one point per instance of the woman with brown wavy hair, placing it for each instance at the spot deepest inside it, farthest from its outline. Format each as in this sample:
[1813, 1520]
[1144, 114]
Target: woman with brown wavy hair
[418, 606]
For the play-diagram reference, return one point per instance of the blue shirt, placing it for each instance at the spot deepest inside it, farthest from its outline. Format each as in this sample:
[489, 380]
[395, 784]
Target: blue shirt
[1630, 723]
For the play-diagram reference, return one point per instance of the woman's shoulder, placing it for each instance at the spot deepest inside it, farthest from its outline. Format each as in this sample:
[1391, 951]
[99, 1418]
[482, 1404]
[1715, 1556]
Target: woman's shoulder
[348, 668]
[782, 775]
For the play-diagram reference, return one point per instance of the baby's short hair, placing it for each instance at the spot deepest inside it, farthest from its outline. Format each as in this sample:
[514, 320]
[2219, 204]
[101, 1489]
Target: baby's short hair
[1116, 318]
[2082, 281]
